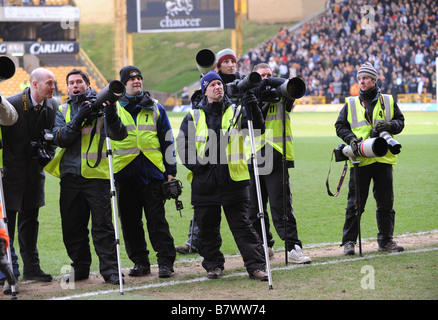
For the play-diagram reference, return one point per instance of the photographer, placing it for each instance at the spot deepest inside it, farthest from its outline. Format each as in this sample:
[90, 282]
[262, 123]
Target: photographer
[219, 175]
[142, 162]
[271, 180]
[226, 67]
[83, 168]
[359, 116]
[25, 152]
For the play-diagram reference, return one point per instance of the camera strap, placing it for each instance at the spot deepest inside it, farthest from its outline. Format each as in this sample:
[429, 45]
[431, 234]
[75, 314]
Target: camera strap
[341, 179]
[99, 148]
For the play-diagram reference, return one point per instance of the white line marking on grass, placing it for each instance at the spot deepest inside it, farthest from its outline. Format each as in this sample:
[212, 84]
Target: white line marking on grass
[201, 279]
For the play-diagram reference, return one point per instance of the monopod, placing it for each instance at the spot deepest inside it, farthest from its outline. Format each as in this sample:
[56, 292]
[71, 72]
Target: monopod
[8, 251]
[357, 202]
[284, 162]
[113, 200]
[261, 214]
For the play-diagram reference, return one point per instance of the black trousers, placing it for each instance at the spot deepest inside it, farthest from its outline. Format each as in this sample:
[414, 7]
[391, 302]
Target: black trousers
[210, 241]
[27, 227]
[382, 177]
[133, 197]
[271, 188]
[80, 198]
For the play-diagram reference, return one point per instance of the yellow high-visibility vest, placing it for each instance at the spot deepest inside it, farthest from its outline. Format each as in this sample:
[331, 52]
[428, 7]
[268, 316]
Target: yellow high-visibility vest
[274, 131]
[87, 151]
[362, 128]
[235, 151]
[142, 137]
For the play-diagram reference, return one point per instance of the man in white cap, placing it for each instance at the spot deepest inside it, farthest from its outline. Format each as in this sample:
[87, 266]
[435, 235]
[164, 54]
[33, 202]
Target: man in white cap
[377, 112]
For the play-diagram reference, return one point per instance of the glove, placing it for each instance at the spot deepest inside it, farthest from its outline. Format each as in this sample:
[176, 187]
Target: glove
[354, 145]
[383, 126]
[85, 110]
[249, 102]
[4, 264]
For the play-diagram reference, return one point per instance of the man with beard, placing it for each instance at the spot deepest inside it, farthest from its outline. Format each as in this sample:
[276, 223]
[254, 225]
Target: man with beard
[142, 162]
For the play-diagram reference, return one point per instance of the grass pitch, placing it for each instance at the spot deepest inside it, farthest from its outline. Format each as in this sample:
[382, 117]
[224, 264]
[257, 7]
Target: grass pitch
[319, 217]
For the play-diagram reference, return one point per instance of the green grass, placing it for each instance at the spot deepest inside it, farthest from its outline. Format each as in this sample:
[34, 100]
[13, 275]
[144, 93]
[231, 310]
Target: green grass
[167, 60]
[320, 218]
[376, 277]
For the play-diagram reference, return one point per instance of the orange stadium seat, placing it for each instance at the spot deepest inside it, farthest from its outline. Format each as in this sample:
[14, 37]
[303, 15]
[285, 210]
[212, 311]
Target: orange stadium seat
[12, 86]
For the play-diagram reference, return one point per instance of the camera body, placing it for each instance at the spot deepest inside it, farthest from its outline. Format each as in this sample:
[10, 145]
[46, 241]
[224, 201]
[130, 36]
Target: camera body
[172, 190]
[38, 148]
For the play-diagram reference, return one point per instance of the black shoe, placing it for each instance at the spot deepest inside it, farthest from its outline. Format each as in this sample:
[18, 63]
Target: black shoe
[391, 246]
[37, 276]
[113, 279]
[139, 270]
[164, 272]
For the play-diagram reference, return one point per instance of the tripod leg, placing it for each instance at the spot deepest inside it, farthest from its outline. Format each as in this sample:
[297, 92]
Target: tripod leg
[260, 202]
[113, 201]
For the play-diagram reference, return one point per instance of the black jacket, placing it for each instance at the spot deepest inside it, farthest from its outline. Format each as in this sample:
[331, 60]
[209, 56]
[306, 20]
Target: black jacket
[212, 184]
[24, 177]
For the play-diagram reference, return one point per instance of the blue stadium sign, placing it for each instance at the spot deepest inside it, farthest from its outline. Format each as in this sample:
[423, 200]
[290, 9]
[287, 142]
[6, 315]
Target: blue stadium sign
[149, 16]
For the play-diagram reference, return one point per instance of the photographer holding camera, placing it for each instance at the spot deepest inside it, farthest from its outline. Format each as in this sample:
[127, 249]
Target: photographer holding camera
[211, 145]
[25, 152]
[359, 116]
[271, 181]
[142, 163]
[226, 67]
[83, 167]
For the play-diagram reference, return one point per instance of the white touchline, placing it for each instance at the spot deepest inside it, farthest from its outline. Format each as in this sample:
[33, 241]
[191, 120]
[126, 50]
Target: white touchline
[200, 279]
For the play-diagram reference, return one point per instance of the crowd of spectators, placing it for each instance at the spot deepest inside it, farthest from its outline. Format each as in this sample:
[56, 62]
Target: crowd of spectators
[399, 37]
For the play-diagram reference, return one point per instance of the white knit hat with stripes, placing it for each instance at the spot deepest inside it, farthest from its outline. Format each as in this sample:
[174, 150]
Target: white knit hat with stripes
[367, 69]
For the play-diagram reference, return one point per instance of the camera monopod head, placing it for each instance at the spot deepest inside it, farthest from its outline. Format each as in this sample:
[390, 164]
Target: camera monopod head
[205, 60]
[7, 68]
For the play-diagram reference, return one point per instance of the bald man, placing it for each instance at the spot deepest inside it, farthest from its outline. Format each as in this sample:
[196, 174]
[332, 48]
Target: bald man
[26, 151]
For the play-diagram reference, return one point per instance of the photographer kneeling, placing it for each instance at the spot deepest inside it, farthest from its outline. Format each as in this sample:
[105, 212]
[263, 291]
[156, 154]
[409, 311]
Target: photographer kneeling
[371, 109]
[83, 168]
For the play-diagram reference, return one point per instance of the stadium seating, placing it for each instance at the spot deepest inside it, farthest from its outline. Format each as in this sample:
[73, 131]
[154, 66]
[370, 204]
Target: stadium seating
[13, 85]
[327, 51]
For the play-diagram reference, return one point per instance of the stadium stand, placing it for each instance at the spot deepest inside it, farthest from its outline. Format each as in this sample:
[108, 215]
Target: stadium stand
[327, 50]
[57, 50]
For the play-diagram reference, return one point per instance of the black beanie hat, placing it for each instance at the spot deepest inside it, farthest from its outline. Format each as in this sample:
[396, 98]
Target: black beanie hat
[128, 72]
